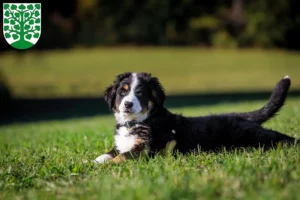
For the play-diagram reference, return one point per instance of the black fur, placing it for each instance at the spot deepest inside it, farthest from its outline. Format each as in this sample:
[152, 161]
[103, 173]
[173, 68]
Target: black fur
[274, 104]
[110, 92]
[209, 132]
[158, 95]
[206, 132]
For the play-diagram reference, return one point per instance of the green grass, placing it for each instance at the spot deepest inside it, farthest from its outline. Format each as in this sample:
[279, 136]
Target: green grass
[82, 72]
[51, 160]
[48, 160]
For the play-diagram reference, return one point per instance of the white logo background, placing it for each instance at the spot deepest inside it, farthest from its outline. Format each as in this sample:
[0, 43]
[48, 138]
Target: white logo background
[11, 39]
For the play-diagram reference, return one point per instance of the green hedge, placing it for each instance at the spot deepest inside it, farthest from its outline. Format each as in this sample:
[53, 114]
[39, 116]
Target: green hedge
[262, 23]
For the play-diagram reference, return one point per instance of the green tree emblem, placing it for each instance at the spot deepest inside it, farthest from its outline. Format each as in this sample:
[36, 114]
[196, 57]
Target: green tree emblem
[22, 24]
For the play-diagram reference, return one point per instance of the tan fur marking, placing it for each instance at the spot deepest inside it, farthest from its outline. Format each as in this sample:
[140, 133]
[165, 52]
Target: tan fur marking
[139, 141]
[125, 87]
[119, 159]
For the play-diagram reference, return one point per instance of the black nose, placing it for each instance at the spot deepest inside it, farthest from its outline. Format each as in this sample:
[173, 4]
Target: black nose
[128, 104]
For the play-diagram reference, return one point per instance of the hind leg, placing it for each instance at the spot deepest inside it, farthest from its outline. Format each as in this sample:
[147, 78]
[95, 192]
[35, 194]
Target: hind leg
[251, 134]
[270, 138]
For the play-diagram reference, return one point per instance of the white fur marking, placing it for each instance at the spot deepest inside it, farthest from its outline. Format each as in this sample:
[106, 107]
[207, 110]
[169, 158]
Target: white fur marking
[121, 118]
[136, 114]
[173, 131]
[136, 108]
[102, 159]
[124, 142]
[286, 77]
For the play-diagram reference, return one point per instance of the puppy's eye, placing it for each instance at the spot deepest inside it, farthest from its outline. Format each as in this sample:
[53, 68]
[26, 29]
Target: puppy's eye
[123, 92]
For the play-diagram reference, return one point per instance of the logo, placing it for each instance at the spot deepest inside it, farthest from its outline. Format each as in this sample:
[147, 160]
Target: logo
[22, 24]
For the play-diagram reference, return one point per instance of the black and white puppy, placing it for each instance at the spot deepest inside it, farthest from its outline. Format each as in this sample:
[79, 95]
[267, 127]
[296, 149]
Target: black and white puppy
[144, 125]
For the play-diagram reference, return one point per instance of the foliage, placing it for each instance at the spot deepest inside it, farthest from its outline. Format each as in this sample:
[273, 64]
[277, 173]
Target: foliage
[268, 23]
[192, 22]
[263, 23]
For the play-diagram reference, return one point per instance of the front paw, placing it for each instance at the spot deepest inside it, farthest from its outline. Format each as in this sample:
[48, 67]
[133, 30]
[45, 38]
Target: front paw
[103, 158]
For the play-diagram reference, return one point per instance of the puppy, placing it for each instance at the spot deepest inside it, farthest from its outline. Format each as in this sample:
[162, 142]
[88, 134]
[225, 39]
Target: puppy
[145, 126]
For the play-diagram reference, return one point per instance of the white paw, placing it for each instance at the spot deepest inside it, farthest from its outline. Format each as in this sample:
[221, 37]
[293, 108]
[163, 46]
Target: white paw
[102, 159]
[286, 77]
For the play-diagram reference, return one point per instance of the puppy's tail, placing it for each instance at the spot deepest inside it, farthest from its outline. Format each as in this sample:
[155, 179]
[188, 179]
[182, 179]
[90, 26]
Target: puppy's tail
[274, 104]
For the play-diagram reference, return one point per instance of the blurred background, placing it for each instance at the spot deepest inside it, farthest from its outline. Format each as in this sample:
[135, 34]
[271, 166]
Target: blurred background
[204, 52]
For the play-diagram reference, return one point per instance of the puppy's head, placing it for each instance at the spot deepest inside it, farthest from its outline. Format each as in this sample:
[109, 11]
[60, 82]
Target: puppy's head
[133, 95]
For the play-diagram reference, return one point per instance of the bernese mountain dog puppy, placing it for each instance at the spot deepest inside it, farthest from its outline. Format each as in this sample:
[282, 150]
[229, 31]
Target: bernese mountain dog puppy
[145, 126]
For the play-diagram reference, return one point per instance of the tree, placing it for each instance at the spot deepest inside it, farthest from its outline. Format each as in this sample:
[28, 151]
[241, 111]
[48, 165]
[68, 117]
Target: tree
[22, 23]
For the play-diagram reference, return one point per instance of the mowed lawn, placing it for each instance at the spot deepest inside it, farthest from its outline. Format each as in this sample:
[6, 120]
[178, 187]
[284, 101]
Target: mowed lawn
[87, 72]
[48, 160]
[52, 159]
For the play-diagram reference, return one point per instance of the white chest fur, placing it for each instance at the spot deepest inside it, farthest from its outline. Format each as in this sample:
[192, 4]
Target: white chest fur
[124, 141]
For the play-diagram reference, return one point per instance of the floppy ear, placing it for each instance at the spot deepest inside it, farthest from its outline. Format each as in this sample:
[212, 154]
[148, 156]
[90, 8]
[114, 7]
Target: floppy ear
[110, 92]
[157, 92]
[109, 96]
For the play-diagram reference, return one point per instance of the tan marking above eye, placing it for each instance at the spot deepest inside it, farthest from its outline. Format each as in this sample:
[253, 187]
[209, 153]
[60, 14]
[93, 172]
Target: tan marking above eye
[125, 87]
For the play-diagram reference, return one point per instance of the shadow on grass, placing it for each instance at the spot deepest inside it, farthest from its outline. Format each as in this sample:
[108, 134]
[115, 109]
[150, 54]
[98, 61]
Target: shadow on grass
[5, 97]
[32, 110]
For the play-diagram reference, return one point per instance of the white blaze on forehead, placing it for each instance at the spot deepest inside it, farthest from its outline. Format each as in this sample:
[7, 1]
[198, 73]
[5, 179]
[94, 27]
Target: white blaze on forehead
[136, 114]
[136, 108]
[134, 82]
[131, 96]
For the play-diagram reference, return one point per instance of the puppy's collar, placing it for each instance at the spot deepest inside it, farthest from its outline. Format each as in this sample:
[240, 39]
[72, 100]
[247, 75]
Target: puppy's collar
[128, 125]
